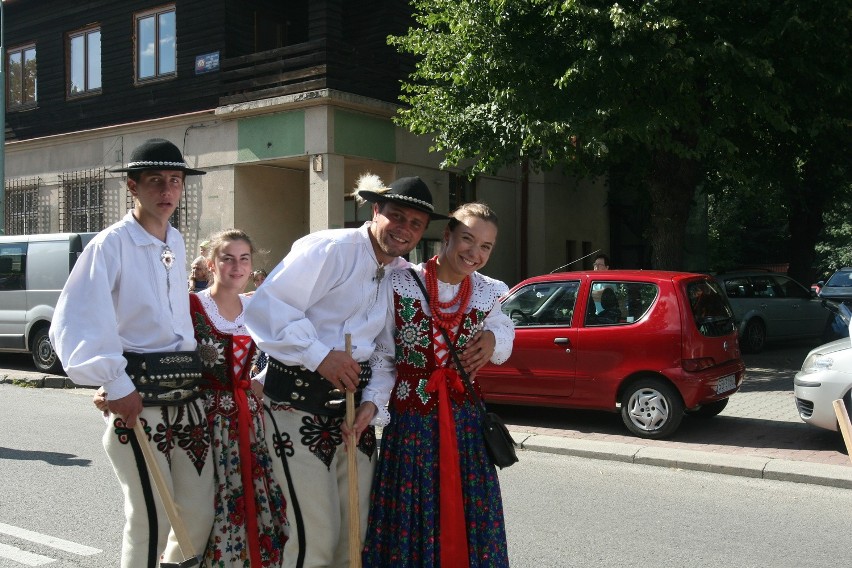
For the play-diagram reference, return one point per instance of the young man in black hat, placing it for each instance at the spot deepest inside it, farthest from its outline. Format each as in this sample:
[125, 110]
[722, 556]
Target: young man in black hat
[122, 322]
[332, 282]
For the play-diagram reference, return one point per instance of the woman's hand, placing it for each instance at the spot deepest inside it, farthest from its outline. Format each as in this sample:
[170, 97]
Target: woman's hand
[478, 351]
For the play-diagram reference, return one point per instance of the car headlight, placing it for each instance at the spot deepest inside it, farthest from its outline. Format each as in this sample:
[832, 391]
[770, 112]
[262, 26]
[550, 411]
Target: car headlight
[817, 362]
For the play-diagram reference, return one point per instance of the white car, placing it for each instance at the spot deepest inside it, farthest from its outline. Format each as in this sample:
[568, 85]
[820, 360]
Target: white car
[826, 376]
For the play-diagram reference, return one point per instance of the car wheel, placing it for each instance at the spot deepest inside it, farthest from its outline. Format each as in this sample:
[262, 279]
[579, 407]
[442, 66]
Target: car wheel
[711, 409]
[651, 408]
[44, 357]
[754, 336]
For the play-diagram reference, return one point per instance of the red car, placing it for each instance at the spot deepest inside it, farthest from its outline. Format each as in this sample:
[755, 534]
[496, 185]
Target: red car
[651, 345]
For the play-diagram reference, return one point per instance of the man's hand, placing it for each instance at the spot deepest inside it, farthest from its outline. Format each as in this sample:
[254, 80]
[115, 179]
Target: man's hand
[257, 389]
[128, 407]
[478, 351]
[363, 416]
[100, 401]
[341, 370]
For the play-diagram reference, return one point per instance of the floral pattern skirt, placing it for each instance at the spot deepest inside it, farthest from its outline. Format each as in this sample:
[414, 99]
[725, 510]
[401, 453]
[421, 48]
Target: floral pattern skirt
[228, 544]
[404, 525]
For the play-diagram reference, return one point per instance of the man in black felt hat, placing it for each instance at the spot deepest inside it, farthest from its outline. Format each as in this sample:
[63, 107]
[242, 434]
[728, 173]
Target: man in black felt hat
[122, 323]
[332, 283]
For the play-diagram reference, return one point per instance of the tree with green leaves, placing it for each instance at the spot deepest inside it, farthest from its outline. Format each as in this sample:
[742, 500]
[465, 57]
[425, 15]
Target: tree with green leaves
[672, 93]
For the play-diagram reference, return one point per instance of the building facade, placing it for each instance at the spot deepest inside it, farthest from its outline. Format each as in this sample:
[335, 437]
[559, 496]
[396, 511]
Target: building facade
[284, 103]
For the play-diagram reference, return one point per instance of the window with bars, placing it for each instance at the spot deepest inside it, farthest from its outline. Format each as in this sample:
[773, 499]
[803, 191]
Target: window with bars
[22, 207]
[81, 207]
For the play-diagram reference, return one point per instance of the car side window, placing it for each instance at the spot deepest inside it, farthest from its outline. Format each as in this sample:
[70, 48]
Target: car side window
[619, 303]
[764, 287]
[551, 303]
[791, 288]
[738, 288]
[13, 261]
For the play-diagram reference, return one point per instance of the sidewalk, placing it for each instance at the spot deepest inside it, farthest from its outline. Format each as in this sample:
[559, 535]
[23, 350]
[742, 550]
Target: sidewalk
[759, 434]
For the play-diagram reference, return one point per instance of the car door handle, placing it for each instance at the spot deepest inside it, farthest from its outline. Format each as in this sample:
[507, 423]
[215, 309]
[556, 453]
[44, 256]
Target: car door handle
[563, 341]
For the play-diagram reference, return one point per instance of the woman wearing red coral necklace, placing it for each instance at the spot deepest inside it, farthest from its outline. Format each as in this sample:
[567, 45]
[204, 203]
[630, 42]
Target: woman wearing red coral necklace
[434, 482]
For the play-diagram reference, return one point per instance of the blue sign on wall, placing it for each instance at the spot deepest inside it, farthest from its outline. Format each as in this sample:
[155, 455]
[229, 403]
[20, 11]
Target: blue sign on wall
[206, 63]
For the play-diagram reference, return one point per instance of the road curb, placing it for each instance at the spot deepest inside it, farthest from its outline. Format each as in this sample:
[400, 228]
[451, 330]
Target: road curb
[727, 464]
[37, 380]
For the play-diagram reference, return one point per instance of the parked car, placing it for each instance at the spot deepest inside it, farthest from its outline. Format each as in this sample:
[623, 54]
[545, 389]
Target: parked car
[661, 344]
[826, 376]
[33, 270]
[769, 306]
[838, 287]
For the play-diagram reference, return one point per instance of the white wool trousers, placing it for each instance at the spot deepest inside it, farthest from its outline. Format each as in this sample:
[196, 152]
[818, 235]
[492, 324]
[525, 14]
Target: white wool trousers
[311, 465]
[181, 444]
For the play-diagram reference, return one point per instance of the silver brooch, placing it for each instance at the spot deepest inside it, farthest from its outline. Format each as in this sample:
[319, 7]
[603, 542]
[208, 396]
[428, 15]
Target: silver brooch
[167, 257]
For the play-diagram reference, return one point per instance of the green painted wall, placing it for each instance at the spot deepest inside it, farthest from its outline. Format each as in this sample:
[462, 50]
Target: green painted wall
[271, 136]
[368, 137]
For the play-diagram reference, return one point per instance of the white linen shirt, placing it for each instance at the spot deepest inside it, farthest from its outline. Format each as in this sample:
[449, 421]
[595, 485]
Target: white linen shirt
[324, 288]
[120, 297]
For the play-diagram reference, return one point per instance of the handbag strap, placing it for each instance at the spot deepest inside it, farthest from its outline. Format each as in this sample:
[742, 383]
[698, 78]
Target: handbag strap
[450, 346]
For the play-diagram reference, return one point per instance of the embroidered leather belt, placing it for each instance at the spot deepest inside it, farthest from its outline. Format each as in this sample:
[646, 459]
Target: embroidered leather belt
[165, 379]
[309, 391]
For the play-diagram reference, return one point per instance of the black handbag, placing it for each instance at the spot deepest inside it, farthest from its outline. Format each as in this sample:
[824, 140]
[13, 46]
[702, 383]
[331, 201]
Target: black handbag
[498, 441]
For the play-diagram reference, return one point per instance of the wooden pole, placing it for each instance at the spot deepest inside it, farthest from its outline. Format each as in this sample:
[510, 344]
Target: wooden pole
[181, 534]
[845, 425]
[354, 500]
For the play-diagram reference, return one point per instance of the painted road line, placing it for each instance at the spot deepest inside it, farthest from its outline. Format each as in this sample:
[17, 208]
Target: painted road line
[48, 540]
[23, 557]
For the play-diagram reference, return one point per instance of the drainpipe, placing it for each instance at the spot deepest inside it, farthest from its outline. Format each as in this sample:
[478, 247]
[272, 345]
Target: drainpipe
[524, 215]
[2, 121]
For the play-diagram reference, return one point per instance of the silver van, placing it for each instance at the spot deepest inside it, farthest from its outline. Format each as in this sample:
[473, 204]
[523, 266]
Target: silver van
[33, 270]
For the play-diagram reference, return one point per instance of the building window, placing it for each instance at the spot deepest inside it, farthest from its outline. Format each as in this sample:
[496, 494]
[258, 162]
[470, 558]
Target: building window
[355, 215]
[84, 62]
[156, 55]
[22, 207]
[21, 70]
[81, 206]
[462, 190]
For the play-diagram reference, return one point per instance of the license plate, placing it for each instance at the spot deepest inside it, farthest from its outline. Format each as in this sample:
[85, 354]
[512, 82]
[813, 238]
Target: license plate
[726, 383]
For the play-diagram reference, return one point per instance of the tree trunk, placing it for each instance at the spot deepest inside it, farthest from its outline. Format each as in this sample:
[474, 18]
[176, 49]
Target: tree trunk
[807, 204]
[671, 186]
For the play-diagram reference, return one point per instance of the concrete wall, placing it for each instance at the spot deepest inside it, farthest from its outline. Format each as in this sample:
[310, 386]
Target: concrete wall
[271, 206]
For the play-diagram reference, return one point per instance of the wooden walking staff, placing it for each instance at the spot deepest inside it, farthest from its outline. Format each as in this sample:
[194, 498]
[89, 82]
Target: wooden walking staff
[354, 501]
[845, 425]
[182, 536]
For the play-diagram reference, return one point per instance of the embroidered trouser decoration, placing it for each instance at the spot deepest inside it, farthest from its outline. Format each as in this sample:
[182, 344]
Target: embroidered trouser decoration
[453, 545]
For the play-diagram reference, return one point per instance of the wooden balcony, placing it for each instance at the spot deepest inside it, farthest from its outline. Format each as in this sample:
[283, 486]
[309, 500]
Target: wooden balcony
[276, 72]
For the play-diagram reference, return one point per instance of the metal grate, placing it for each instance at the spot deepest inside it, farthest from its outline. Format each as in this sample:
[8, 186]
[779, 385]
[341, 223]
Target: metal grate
[22, 207]
[81, 201]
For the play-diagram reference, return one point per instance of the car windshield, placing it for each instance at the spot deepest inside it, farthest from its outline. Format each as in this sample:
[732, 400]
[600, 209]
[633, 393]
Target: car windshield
[840, 279]
[710, 308]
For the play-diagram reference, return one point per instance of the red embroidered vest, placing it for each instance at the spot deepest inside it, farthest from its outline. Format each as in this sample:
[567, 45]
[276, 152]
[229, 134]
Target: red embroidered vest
[415, 353]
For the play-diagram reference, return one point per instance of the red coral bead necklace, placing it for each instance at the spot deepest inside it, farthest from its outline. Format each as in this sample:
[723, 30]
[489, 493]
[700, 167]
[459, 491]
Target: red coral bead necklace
[446, 320]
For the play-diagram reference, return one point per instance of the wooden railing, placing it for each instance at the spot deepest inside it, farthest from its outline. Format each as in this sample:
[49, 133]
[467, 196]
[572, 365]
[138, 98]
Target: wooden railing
[276, 72]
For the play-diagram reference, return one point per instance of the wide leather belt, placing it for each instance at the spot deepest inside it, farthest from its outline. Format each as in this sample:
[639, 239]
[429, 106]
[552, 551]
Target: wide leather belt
[309, 391]
[164, 379]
